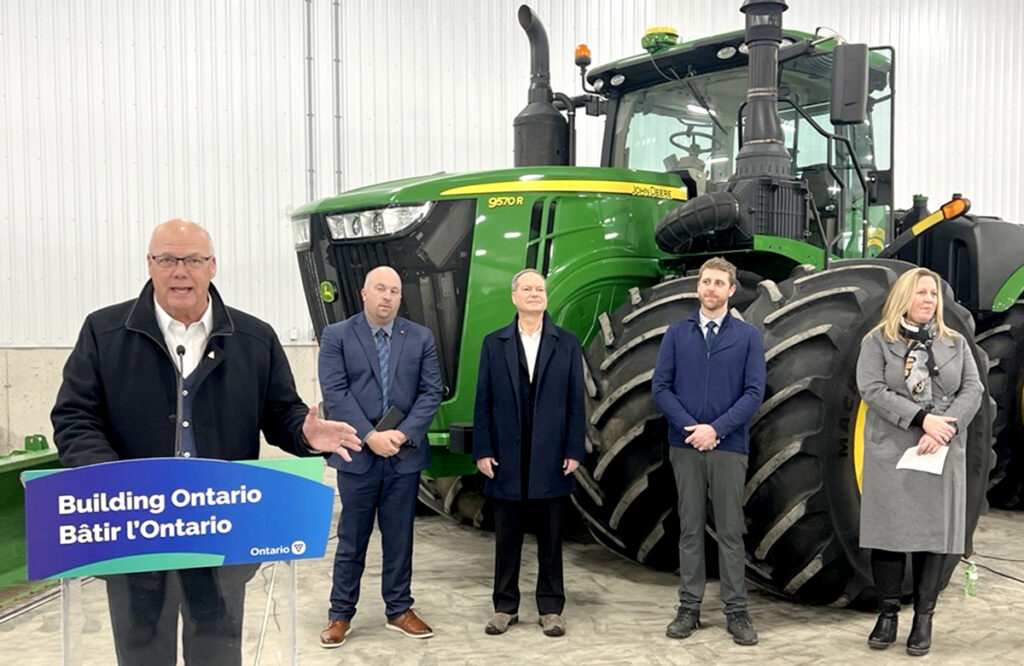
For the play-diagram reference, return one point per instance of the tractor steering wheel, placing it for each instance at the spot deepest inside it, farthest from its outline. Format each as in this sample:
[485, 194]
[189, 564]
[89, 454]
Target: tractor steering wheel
[694, 149]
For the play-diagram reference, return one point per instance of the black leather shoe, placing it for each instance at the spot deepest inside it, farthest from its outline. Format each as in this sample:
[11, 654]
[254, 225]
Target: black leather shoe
[920, 639]
[741, 627]
[686, 621]
[884, 633]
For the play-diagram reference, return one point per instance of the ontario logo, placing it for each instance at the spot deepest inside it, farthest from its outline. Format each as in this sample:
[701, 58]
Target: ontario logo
[297, 548]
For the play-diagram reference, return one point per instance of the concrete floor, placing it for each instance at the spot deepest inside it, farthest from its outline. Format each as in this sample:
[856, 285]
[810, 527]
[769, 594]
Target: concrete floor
[616, 612]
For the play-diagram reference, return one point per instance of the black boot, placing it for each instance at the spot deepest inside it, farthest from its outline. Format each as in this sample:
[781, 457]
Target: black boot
[920, 639]
[927, 580]
[887, 569]
[884, 633]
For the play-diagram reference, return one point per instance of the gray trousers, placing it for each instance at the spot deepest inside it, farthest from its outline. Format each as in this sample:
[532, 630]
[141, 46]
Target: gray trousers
[719, 475]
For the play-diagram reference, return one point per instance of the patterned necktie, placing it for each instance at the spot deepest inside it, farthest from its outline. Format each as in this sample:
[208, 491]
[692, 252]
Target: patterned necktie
[383, 351]
[709, 339]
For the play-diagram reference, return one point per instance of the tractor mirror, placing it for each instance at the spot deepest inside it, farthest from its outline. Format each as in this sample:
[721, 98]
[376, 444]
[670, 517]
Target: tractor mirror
[849, 84]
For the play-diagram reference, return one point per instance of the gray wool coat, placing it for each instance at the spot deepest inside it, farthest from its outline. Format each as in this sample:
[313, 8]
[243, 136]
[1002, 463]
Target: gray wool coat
[906, 510]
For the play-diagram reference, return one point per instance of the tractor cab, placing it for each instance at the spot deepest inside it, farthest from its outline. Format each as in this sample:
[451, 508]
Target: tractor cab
[679, 108]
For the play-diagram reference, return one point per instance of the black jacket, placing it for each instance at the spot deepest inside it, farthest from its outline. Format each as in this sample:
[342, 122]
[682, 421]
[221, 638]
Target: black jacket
[118, 398]
[559, 425]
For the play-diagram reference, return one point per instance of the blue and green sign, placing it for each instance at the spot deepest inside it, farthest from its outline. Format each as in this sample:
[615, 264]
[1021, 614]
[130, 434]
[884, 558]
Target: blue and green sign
[174, 513]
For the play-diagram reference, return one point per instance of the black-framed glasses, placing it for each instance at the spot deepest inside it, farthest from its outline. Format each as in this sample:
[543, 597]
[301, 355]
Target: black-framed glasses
[169, 261]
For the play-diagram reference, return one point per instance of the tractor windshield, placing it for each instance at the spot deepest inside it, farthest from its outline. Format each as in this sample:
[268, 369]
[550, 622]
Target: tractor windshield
[681, 124]
[688, 125]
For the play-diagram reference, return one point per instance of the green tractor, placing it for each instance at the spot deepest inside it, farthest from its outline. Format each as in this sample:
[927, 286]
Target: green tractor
[769, 147]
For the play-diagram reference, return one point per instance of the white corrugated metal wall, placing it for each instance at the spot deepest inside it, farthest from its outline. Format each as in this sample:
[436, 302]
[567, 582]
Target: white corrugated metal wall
[117, 114]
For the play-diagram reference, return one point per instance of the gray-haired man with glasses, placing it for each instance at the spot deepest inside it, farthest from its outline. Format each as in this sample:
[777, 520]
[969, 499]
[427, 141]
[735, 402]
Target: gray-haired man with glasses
[119, 400]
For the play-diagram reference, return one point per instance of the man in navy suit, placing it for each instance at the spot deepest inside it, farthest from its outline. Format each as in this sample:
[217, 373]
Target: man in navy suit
[375, 364]
[528, 431]
[709, 381]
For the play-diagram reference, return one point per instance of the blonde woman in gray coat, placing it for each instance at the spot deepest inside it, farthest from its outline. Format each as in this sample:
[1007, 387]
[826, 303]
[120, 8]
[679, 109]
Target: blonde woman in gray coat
[921, 386]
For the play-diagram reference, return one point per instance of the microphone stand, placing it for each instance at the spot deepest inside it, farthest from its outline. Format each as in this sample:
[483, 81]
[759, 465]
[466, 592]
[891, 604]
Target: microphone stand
[181, 400]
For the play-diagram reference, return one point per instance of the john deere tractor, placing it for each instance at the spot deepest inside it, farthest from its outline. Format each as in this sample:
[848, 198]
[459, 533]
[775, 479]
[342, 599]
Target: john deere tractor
[772, 148]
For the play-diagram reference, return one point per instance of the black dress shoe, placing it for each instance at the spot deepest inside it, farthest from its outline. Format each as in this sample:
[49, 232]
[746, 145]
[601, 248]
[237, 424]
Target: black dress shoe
[920, 639]
[686, 621]
[884, 633]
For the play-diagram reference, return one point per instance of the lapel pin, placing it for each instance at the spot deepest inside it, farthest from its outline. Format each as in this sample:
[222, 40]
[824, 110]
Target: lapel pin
[211, 355]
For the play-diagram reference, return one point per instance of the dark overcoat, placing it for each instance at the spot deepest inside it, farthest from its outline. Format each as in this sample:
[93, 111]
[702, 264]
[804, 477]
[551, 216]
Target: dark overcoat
[558, 417]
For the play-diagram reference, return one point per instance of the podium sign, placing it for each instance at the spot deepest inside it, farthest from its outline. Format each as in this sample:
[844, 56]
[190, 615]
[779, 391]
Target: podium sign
[154, 514]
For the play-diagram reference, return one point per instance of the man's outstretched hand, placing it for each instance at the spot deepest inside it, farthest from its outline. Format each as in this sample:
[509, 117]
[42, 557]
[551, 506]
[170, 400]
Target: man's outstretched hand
[330, 436]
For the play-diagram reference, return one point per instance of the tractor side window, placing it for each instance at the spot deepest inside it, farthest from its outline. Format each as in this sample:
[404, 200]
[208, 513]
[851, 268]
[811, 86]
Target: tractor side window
[812, 148]
[880, 122]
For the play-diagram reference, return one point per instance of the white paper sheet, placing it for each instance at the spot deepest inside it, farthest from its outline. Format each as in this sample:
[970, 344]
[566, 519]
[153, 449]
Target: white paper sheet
[929, 462]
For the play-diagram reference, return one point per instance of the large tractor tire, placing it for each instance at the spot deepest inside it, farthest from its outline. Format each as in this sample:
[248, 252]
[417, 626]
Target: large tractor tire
[1002, 337]
[802, 498]
[460, 498]
[624, 488]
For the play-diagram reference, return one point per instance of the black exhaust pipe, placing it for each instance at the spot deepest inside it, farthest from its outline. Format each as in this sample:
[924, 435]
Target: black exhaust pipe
[540, 132]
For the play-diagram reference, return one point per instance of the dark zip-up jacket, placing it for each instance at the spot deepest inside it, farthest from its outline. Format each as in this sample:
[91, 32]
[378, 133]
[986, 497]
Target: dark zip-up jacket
[118, 398]
[723, 387]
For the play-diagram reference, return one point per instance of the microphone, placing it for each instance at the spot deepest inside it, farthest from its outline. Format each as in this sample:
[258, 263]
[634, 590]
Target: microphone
[180, 350]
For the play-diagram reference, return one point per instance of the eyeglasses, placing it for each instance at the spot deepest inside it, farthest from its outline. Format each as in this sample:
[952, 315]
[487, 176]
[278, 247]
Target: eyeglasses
[168, 261]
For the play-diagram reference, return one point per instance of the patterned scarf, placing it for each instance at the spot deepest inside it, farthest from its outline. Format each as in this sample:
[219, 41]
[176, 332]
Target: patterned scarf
[919, 362]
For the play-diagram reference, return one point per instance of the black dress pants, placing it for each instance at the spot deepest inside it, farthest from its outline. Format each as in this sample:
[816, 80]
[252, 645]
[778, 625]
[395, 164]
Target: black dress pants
[144, 609]
[511, 520]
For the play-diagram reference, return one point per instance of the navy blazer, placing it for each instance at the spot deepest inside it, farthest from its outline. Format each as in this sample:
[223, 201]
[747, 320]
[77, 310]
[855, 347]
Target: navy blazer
[558, 418]
[350, 381]
[723, 387]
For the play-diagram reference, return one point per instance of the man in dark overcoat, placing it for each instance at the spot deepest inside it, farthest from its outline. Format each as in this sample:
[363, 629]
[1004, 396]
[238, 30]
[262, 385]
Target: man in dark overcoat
[528, 431]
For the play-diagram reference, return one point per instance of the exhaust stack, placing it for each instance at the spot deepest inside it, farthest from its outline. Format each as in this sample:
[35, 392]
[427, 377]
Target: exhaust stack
[540, 132]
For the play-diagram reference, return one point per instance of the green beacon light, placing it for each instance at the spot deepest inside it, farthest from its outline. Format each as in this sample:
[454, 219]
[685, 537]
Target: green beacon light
[656, 39]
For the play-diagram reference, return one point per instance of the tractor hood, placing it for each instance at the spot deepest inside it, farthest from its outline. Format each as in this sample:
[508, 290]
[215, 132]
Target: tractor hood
[441, 186]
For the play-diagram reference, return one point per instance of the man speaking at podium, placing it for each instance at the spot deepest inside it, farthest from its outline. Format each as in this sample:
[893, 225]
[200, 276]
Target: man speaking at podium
[119, 401]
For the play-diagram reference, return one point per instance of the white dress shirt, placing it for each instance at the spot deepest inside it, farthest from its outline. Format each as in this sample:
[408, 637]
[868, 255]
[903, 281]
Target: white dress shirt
[531, 345]
[704, 320]
[193, 338]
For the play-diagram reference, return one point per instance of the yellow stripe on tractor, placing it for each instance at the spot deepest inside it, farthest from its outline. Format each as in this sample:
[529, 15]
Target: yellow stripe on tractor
[858, 444]
[602, 186]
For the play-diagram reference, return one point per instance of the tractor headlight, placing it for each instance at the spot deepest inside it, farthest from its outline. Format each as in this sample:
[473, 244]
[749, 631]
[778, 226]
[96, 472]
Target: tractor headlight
[377, 222]
[300, 232]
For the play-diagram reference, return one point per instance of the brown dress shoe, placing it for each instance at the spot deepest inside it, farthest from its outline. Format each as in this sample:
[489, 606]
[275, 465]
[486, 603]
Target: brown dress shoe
[334, 634]
[410, 625]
